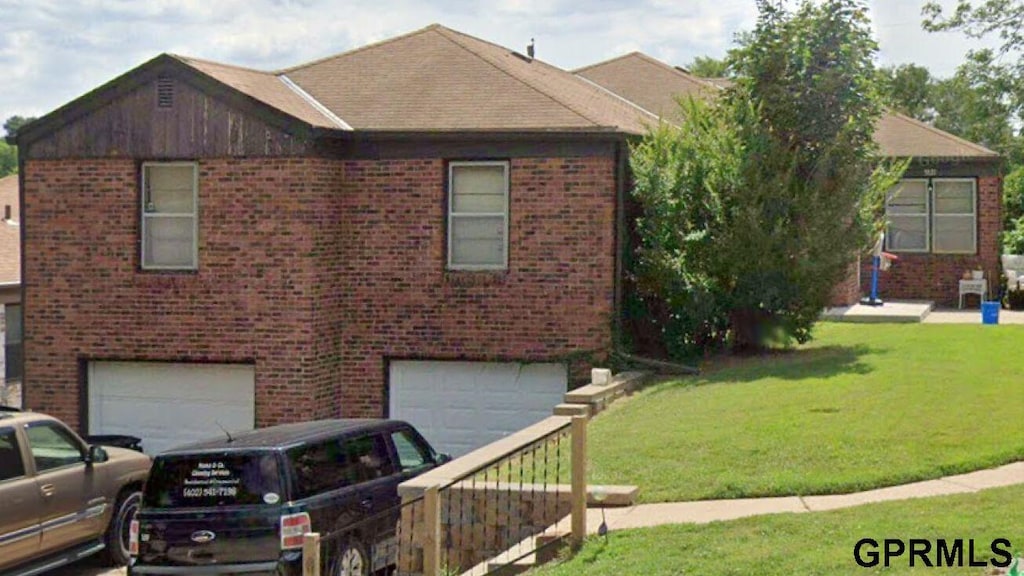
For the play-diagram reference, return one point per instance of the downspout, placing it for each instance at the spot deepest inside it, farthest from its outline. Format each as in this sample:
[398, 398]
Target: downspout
[21, 264]
[620, 242]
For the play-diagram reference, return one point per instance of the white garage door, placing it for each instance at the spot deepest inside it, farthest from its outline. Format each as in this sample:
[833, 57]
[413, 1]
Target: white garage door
[460, 406]
[168, 404]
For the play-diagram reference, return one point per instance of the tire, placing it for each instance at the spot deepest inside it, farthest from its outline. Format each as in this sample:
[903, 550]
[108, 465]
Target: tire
[116, 538]
[351, 560]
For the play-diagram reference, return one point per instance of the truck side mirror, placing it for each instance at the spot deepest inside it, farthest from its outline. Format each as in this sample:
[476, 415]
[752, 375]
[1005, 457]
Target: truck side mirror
[96, 455]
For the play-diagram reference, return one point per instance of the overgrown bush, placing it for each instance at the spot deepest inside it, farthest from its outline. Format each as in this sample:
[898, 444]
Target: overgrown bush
[1013, 237]
[755, 206]
[1013, 198]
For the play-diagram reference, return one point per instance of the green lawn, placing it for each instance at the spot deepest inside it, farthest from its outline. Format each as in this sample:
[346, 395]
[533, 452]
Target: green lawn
[862, 406]
[819, 543]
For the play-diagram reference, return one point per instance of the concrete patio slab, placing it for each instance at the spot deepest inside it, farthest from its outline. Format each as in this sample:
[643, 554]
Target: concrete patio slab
[889, 312]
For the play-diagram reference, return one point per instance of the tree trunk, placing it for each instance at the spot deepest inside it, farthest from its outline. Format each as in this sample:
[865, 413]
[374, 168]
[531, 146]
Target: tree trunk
[748, 326]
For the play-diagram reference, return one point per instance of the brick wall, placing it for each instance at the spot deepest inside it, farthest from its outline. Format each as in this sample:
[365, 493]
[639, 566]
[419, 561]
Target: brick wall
[936, 276]
[398, 301]
[250, 301]
[315, 270]
[847, 292]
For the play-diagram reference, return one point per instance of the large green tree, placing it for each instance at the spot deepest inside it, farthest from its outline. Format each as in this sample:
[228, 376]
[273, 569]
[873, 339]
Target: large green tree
[8, 159]
[907, 88]
[756, 206]
[1003, 18]
[708, 67]
[985, 99]
[9, 152]
[14, 123]
[977, 102]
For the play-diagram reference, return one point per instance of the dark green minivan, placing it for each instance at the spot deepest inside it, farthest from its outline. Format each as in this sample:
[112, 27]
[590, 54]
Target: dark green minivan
[241, 504]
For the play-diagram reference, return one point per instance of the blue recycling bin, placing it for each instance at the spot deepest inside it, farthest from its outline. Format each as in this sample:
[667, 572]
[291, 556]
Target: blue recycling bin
[990, 312]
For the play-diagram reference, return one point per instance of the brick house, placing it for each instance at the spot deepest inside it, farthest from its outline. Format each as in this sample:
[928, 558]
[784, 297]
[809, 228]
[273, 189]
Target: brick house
[944, 219]
[426, 228]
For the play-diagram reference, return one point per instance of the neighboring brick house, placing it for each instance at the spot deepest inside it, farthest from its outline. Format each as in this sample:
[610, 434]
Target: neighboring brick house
[428, 227]
[944, 219]
[10, 287]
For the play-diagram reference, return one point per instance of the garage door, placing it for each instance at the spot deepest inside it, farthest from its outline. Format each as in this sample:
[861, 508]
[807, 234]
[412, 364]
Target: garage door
[168, 404]
[460, 406]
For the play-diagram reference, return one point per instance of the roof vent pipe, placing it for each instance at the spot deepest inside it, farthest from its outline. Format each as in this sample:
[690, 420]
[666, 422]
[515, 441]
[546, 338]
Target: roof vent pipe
[529, 49]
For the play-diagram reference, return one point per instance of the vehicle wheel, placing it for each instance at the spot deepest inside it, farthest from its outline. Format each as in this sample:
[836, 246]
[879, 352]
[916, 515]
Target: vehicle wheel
[351, 560]
[116, 538]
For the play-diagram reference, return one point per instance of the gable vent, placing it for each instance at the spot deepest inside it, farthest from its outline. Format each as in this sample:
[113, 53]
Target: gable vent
[164, 92]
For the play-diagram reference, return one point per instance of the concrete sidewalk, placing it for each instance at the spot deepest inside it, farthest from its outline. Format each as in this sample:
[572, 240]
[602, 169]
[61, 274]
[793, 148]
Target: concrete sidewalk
[702, 512]
[970, 316]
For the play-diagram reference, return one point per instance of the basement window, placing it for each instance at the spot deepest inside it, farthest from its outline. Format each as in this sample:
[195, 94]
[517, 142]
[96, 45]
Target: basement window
[478, 215]
[169, 216]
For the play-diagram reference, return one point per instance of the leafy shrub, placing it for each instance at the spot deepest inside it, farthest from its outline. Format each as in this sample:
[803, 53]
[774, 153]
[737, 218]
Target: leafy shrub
[1013, 237]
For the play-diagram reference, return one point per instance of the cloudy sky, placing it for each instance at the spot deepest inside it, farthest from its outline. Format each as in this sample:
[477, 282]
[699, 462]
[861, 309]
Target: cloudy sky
[52, 51]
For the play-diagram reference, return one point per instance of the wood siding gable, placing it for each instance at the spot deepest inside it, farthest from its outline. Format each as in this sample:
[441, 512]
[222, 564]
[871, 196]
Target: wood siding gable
[165, 110]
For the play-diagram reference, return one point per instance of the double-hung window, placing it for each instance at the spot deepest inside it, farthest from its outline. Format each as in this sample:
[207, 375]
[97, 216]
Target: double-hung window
[169, 216]
[478, 215]
[936, 215]
[954, 217]
[906, 209]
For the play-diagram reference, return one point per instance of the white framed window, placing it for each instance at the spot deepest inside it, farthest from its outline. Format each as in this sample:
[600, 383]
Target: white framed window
[169, 216]
[906, 209]
[954, 218]
[937, 215]
[478, 215]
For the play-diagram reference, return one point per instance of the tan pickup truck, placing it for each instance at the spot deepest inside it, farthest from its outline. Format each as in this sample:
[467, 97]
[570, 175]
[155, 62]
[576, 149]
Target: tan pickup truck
[60, 498]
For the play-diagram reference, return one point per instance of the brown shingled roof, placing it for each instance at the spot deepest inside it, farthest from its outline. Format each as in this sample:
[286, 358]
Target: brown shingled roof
[267, 87]
[437, 79]
[902, 136]
[10, 237]
[655, 85]
[650, 83]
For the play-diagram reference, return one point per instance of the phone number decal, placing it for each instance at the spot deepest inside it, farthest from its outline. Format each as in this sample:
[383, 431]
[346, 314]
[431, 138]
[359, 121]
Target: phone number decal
[207, 491]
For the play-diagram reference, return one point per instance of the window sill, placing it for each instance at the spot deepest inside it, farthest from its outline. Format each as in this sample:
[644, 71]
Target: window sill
[475, 277]
[916, 254]
[169, 271]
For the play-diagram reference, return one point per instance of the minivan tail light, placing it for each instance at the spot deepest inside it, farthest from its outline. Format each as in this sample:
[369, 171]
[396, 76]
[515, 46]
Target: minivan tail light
[133, 538]
[293, 528]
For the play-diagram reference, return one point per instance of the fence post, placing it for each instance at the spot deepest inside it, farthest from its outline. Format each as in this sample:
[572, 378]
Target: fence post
[432, 531]
[579, 480]
[311, 554]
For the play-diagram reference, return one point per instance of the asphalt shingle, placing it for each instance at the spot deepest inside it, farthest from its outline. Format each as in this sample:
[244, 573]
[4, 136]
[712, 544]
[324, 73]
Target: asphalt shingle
[656, 85]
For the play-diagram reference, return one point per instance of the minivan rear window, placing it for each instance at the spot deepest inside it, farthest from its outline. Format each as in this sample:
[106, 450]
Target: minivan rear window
[213, 479]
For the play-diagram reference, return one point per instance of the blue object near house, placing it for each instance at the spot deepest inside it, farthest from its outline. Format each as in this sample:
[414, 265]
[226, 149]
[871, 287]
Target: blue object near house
[990, 312]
